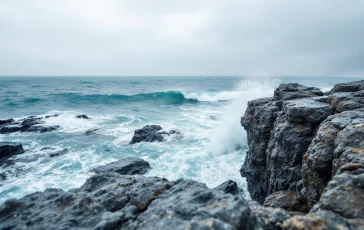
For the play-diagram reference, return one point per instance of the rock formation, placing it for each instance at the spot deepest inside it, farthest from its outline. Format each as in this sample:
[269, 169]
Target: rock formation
[126, 166]
[29, 124]
[151, 133]
[114, 201]
[10, 148]
[306, 153]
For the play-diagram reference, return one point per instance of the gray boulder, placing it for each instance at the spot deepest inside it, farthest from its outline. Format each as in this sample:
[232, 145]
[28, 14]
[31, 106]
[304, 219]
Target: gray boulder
[293, 91]
[114, 201]
[126, 166]
[151, 133]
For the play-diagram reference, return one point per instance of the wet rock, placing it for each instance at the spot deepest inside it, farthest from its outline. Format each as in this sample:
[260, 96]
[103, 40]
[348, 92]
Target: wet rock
[6, 121]
[30, 121]
[114, 201]
[293, 91]
[127, 166]
[91, 132]
[82, 116]
[151, 133]
[308, 153]
[258, 122]
[331, 149]
[306, 110]
[41, 129]
[269, 218]
[322, 220]
[54, 115]
[10, 129]
[348, 87]
[287, 200]
[10, 149]
[228, 187]
[29, 124]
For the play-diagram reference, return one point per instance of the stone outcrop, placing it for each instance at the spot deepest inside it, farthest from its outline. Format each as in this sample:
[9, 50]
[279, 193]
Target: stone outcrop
[29, 124]
[269, 218]
[114, 201]
[306, 153]
[126, 166]
[151, 133]
[280, 129]
[10, 148]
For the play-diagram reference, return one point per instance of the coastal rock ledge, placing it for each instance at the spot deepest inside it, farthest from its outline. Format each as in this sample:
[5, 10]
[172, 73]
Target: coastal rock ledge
[306, 154]
[114, 201]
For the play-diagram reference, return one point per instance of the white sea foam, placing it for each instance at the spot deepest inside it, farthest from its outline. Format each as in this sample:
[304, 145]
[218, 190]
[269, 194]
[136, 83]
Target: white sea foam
[229, 135]
[210, 96]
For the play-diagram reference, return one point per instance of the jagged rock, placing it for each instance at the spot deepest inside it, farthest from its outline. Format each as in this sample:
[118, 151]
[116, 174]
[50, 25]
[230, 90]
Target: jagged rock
[330, 180]
[293, 90]
[82, 116]
[322, 220]
[6, 121]
[258, 122]
[345, 101]
[10, 148]
[29, 124]
[151, 133]
[287, 200]
[228, 187]
[30, 121]
[348, 87]
[126, 166]
[113, 201]
[269, 218]
[332, 148]
[306, 111]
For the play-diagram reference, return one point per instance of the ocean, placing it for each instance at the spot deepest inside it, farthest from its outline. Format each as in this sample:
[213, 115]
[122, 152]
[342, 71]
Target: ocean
[206, 110]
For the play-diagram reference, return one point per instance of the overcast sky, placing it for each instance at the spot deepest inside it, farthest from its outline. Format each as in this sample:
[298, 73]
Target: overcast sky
[188, 37]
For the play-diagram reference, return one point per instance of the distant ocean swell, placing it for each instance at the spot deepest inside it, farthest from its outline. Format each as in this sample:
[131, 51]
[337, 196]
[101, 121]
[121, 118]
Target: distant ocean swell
[169, 97]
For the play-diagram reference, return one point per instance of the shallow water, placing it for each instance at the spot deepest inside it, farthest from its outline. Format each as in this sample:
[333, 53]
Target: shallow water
[206, 110]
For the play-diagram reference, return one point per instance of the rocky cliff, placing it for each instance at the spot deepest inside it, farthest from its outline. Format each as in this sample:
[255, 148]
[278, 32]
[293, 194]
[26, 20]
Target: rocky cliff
[306, 154]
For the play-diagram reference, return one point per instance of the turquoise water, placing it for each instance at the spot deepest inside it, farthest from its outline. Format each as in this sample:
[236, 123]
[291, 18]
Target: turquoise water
[206, 110]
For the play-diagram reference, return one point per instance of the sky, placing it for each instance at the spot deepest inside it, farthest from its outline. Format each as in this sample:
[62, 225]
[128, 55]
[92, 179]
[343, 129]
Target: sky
[182, 38]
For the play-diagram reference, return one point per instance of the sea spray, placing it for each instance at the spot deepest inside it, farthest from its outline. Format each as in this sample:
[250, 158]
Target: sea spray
[229, 135]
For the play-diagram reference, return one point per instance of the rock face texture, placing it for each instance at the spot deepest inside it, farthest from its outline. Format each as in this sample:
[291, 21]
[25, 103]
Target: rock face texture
[306, 153]
[127, 166]
[29, 124]
[114, 201]
[151, 133]
[269, 218]
[10, 149]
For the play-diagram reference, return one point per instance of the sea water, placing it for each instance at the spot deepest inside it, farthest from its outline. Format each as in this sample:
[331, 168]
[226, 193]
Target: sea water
[207, 111]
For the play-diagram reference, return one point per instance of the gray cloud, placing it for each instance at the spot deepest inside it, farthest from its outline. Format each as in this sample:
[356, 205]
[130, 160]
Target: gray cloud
[215, 37]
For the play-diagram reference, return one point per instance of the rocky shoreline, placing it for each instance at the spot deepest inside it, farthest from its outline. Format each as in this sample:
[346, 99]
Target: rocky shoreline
[304, 168]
